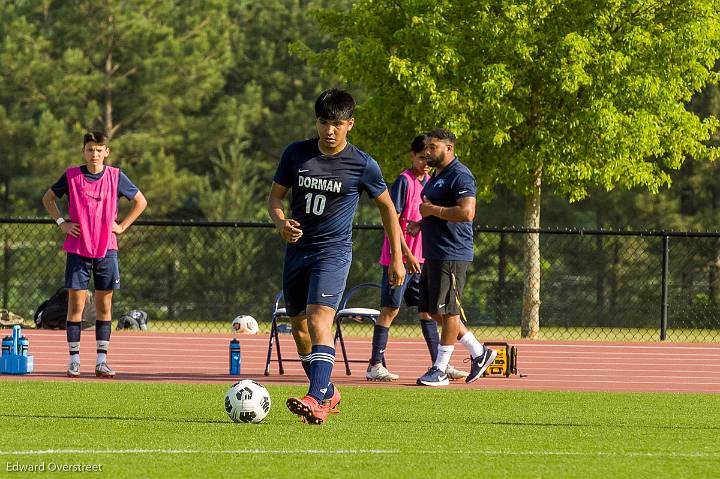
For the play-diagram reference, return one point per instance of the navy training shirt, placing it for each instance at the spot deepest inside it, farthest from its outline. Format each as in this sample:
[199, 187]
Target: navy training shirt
[125, 187]
[326, 190]
[445, 240]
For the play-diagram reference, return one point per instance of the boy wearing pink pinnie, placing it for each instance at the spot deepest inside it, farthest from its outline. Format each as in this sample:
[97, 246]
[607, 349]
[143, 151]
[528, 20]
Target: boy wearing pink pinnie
[91, 244]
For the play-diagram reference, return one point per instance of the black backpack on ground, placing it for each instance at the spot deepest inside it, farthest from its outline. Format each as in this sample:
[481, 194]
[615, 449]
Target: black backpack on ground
[135, 319]
[52, 313]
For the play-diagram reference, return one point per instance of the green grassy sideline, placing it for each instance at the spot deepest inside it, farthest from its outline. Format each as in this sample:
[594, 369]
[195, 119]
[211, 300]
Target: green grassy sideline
[548, 333]
[180, 430]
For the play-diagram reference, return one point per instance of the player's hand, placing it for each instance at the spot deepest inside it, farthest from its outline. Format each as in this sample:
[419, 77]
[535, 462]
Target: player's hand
[72, 229]
[290, 231]
[413, 228]
[425, 207]
[117, 228]
[396, 273]
[413, 265]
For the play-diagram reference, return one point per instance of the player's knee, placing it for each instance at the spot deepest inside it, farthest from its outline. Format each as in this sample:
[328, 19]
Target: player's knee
[387, 315]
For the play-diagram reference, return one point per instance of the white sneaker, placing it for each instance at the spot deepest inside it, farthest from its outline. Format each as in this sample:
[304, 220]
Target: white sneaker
[73, 369]
[380, 373]
[455, 374]
[102, 370]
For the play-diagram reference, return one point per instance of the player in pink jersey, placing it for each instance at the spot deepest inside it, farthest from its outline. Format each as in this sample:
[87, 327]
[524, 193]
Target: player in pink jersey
[406, 197]
[91, 241]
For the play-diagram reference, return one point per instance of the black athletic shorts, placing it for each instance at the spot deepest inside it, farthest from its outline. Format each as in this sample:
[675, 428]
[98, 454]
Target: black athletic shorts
[437, 295]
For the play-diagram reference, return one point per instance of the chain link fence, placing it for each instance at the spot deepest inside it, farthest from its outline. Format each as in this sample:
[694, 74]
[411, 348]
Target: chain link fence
[595, 285]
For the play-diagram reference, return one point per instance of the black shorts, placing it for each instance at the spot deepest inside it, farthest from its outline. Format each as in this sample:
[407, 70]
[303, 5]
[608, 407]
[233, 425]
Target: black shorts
[437, 295]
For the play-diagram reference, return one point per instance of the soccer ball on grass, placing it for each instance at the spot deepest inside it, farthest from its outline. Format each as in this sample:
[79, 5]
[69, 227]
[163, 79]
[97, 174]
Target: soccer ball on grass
[247, 401]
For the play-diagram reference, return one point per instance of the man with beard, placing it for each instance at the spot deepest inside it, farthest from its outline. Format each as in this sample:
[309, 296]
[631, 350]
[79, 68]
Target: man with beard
[448, 209]
[405, 194]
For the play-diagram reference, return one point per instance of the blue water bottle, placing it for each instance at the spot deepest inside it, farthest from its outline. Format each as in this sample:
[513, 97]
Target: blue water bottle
[235, 357]
[16, 335]
[23, 345]
[6, 345]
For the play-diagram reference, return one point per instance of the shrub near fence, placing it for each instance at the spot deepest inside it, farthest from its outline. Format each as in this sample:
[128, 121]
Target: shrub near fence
[596, 285]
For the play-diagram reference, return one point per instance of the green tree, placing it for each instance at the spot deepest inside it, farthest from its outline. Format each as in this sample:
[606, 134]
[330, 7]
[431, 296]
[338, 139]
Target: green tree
[265, 103]
[33, 140]
[567, 94]
[287, 85]
[135, 69]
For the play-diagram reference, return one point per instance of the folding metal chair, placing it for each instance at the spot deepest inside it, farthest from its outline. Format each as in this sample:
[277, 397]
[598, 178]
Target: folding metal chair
[278, 313]
[357, 314]
[361, 315]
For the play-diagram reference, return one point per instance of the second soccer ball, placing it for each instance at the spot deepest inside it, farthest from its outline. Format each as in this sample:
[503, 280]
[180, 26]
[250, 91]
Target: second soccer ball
[245, 324]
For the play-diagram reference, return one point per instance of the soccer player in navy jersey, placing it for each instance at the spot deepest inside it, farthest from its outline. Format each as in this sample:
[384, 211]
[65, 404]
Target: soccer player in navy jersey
[448, 209]
[326, 174]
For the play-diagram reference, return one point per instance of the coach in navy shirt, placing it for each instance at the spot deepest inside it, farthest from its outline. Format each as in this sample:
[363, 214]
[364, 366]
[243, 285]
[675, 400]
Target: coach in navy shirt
[448, 209]
[326, 175]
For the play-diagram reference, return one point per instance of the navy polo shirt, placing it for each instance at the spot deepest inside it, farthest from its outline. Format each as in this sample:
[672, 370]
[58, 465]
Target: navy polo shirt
[445, 240]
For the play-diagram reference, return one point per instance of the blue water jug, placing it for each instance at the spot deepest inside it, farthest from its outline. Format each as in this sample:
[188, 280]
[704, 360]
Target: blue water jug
[235, 357]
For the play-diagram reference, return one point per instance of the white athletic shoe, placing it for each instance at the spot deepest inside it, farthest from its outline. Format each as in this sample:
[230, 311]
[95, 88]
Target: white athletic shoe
[73, 369]
[380, 373]
[455, 374]
[102, 370]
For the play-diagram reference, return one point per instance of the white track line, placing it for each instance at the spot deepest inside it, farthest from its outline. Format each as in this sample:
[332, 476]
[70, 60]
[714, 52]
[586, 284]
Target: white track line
[196, 451]
[652, 454]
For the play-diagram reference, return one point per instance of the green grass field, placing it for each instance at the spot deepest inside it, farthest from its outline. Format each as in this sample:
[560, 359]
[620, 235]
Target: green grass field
[176, 430]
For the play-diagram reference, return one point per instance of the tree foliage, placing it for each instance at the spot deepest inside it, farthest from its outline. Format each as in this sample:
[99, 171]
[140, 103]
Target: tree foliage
[590, 93]
[271, 93]
[134, 69]
[185, 92]
[567, 94]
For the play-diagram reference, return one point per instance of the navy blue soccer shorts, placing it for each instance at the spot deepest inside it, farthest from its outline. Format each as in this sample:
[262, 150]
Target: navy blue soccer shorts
[105, 271]
[393, 297]
[312, 276]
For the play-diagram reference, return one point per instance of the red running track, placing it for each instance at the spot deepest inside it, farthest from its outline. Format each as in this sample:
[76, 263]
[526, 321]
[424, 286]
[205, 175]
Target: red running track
[546, 365]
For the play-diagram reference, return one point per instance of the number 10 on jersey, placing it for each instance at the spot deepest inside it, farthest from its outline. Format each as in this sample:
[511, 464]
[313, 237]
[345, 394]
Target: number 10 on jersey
[314, 204]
